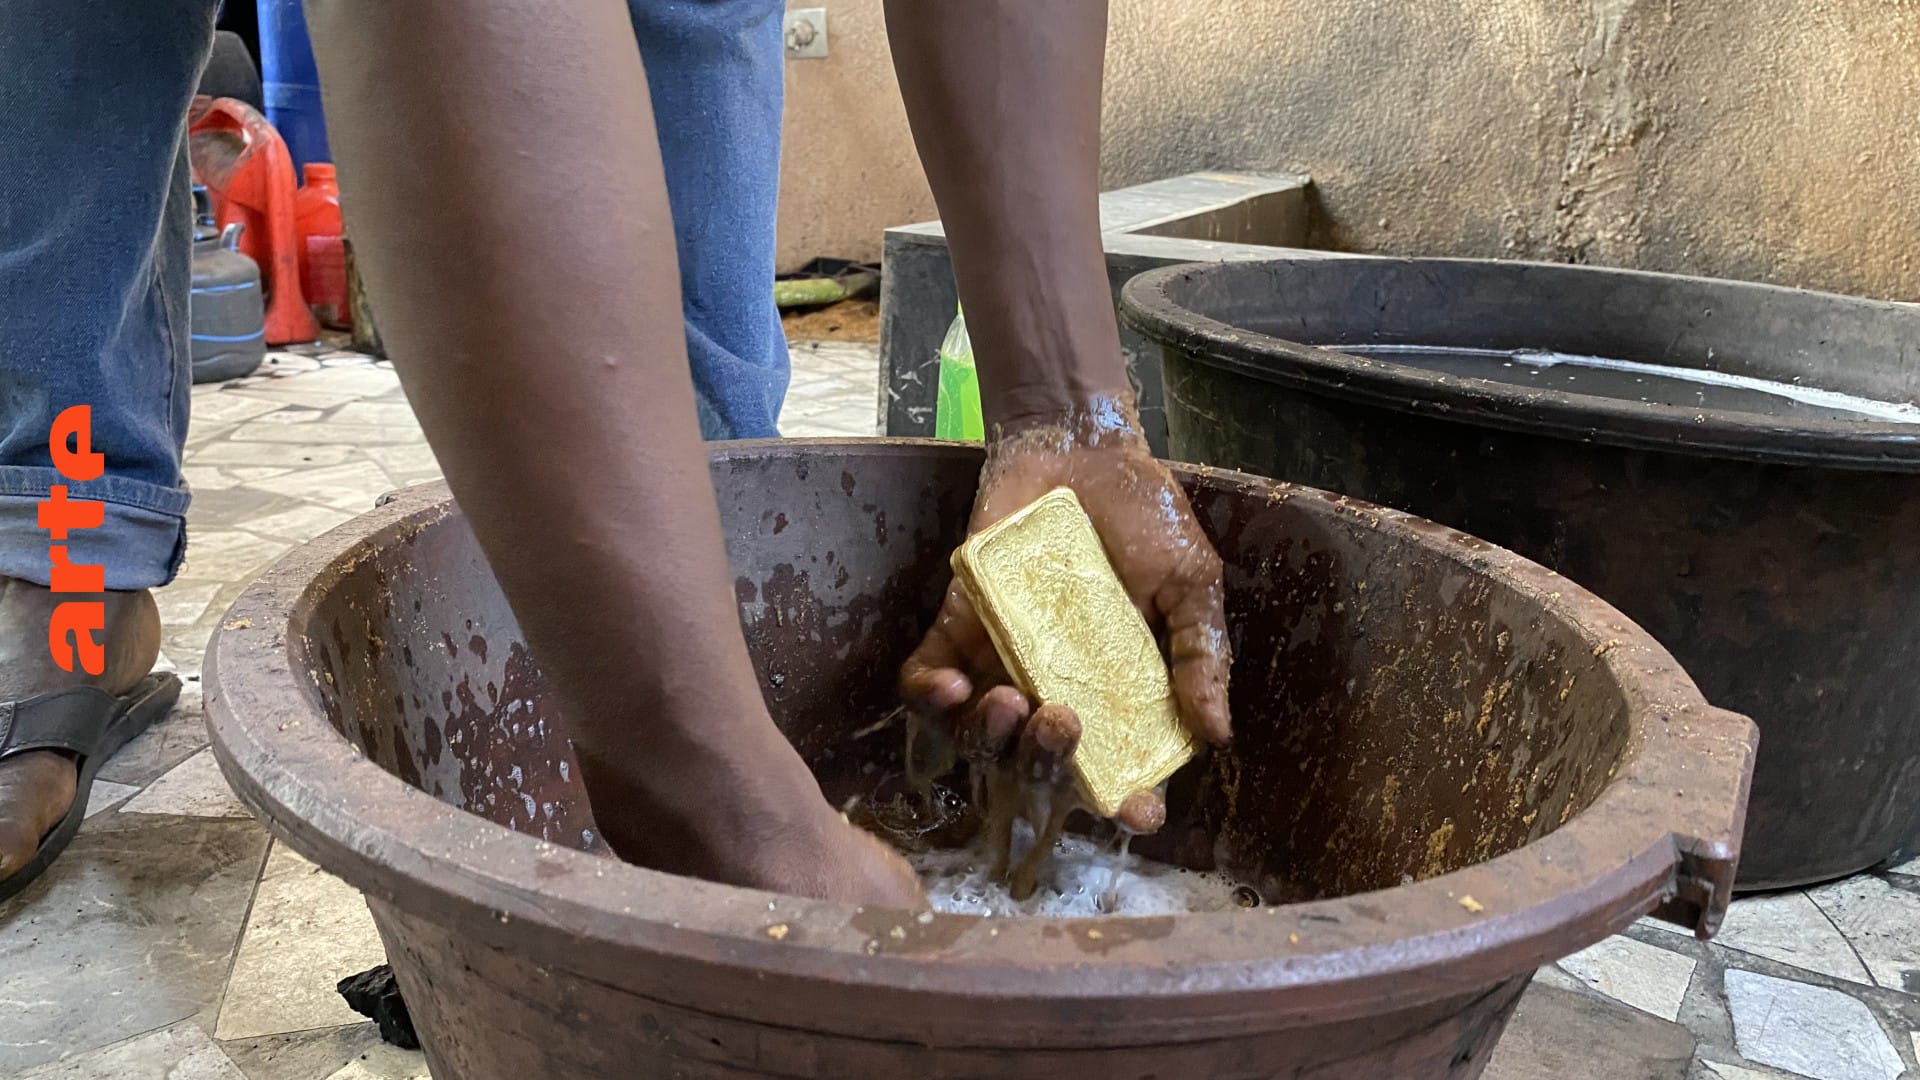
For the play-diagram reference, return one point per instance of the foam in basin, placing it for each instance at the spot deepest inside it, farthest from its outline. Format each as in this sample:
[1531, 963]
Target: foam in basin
[1076, 880]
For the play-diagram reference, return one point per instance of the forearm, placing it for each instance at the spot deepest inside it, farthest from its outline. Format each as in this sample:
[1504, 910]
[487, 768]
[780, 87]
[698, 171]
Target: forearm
[1008, 128]
[503, 179]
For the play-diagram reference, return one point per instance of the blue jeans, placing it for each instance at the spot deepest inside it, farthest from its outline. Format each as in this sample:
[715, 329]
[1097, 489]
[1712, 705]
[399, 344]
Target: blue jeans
[714, 68]
[96, 239]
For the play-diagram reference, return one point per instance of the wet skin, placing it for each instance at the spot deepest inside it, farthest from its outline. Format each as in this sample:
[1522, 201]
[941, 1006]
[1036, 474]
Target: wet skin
[1169, 569]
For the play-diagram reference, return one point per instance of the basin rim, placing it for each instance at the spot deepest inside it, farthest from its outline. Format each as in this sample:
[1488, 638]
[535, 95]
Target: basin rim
[1676, 803]
[1149, 306]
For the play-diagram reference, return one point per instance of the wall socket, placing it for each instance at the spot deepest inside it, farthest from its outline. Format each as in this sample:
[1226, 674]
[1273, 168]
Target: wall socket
[806, 33]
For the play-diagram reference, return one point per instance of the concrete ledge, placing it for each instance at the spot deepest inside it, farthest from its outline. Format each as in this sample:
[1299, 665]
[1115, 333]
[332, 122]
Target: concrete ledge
[1200, 217]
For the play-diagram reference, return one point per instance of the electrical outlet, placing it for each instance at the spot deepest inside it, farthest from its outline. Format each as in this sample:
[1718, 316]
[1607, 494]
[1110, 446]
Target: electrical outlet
[806, 33]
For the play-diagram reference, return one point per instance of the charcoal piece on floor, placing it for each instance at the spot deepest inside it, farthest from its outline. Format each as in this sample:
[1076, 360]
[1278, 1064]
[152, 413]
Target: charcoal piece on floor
[374, 995]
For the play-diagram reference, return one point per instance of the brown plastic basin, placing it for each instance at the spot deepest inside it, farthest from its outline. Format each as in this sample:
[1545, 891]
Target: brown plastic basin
[1475, 765]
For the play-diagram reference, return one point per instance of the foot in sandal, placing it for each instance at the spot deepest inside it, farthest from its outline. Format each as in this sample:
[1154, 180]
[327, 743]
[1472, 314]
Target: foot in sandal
[58, 727]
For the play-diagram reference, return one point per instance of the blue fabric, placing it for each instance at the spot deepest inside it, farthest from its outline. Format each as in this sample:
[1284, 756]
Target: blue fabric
[96, 238]
[715, 68]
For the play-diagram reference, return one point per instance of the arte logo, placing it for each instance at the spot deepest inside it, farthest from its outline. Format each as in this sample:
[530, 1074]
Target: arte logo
[70, 634]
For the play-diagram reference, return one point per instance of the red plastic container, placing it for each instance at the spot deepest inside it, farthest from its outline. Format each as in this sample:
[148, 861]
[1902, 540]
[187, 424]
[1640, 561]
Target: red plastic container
[323, 255]
[244, 165]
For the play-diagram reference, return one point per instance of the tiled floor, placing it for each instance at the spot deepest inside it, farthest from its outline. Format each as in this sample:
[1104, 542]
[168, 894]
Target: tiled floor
[176, 940]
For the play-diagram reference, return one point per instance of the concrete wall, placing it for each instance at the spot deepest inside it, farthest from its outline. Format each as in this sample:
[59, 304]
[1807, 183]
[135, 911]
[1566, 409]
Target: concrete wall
[848, 168]
[1774, 140]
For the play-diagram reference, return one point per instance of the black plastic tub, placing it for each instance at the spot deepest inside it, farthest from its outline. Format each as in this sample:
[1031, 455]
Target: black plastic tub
[1764, 526]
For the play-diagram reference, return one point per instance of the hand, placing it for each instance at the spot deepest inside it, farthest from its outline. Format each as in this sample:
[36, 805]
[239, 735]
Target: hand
[832, 859]
[1163, 559]
[750, 816]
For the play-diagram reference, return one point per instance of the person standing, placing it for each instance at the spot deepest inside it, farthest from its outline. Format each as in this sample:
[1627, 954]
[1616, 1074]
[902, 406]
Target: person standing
[567, 214]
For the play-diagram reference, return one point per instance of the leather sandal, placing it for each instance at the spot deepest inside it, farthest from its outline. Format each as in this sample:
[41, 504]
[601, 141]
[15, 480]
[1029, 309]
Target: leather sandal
[90, 725]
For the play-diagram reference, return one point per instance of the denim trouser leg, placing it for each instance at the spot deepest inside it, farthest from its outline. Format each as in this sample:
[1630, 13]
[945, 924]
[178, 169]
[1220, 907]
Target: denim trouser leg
[715, 68]
[95, 258]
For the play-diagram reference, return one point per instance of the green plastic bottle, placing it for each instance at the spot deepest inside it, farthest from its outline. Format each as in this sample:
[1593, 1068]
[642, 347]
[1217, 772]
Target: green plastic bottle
[956, 413]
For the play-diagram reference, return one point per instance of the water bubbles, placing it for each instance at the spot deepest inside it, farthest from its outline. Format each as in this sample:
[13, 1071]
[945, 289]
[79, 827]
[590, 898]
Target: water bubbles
[1080, 876]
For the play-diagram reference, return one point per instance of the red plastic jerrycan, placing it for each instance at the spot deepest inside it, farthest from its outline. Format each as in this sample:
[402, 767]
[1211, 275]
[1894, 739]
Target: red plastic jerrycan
[240, 159]
[323, 256]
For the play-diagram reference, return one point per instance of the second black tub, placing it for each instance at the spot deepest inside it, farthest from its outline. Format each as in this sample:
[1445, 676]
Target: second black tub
[1735, 466]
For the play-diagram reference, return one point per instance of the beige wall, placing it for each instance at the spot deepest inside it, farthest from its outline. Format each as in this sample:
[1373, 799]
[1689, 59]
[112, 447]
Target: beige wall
[1772, 140]
[848, 168]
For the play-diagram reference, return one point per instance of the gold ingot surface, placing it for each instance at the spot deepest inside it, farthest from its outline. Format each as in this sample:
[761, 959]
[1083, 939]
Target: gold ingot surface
[1069, 635]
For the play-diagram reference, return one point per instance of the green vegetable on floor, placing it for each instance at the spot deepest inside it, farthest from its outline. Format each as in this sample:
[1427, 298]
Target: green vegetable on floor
[809, 292]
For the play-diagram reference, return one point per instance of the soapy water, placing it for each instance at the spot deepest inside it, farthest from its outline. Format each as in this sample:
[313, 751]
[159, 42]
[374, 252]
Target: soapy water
[1082, 880]
[1652, 384]
[949, 841]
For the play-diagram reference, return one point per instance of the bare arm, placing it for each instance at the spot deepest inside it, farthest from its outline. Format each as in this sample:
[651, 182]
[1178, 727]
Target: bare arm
[503, 178]
[1008, 128]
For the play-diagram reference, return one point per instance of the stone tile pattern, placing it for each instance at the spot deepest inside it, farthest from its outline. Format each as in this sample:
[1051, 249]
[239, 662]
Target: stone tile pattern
[224, 963]
[1808, 1030]
[193, 788]
[1646, 977]
[835, 392]
[166, 942]
[1803, 983]
[304, 921]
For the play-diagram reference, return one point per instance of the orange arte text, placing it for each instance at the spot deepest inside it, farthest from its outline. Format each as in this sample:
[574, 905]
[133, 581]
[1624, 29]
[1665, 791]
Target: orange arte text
[70, 633]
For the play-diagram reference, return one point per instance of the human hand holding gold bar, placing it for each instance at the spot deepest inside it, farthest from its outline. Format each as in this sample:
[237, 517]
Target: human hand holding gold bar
[1069, 634]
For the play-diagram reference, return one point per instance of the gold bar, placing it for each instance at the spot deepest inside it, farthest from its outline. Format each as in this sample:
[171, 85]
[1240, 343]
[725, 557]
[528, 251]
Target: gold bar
[1069, 634]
